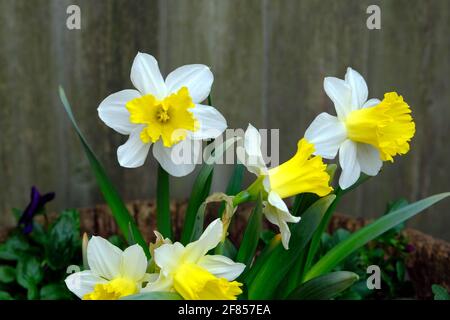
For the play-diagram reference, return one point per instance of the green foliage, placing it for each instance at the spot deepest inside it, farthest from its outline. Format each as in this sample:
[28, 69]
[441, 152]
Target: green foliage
[358, 239]
[63, 239]
[324, 287]
[34, 266]
[440, 293]
[163, 217]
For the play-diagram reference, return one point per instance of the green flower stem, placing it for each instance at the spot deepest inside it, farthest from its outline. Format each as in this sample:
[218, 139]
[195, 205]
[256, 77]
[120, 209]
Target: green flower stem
[163, 219]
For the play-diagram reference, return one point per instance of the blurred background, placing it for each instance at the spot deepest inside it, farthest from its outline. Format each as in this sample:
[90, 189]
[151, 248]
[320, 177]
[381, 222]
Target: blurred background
[269, 59]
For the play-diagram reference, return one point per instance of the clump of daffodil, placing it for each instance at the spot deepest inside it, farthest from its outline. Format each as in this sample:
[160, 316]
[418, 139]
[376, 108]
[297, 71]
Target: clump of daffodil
[167, 114]
[192, 273]
[365, 132]
[302, 173]
[113, 273]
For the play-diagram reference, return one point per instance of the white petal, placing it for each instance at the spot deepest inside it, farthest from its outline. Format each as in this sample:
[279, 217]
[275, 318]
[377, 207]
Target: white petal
[132, 154]
[221, 266]
[104, 258]
[208, 240]
[326, 133]
[134, 263]
[81, 283]
[358, 86]
[283, 211]
[212, 123]
[113, 113]
[369, 159]
[162, 284]
[168, 256]
[179, 160]
[371, 103]
[196, 77]
[251, 155]
[349, 164]
[276, 211]
[146, 77]
[341, 95]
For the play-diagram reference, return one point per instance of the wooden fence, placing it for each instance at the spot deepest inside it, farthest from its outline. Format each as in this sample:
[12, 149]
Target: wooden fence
[269, 59]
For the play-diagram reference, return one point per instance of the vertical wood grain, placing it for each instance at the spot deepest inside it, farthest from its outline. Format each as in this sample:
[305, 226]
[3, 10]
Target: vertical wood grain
[269, 59]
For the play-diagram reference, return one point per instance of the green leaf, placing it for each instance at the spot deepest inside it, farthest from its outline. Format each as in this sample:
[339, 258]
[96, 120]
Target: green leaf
[63, 240]
[251, 235]
[115, 203]
[440, 293]
[7, 274]
[163, 217]
[281, 260]
[324, 287]
[200, 191]
[29, 272]
[368, 233]
[5, 296]
[55, 291]
[14, 248]
[154, 296]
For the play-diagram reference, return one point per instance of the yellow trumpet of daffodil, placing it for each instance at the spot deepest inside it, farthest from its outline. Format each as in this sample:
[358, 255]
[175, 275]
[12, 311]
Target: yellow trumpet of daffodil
[302, 173]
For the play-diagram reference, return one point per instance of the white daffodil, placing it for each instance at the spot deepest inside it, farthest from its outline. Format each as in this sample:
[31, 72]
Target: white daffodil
[302, 173]
[166, 113]
[366, 132]
[113, 273]
[192, 273]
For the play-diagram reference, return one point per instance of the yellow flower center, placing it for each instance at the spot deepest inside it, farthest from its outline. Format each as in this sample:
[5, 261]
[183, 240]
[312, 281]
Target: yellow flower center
[169, 119]
[302, 173]
[387, 126]
[112, 290]
[193, 282]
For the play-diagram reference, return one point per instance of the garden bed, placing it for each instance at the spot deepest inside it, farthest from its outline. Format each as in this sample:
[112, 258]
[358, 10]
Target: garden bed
[427, 264]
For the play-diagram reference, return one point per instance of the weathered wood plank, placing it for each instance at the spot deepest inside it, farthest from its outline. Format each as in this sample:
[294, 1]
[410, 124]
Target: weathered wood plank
[269, 58]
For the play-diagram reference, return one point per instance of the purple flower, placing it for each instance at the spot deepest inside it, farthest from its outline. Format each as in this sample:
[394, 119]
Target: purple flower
[37, 203]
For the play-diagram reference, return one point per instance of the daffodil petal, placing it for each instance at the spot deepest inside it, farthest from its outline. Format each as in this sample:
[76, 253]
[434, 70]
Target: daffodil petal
[179, 160]
[146, 77]
[340, 93]
[81, 283]
[276, 211]
[349, 164]
[371, 103]
[134, 263]
[113, 113]
[207, 241]
[132, 154]
[161, 284]
[326, 133]
[104, 258]
[359, 88]
[221, 266]
[211, 122]
[250, 155]
[198, 78]
[369, 159]
[168, 256]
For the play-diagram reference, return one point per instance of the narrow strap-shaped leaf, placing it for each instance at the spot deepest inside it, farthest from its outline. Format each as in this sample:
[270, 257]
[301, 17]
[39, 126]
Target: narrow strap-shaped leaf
[123, 218]
[280, 260]
[358, 239]
[201, 188]
[324, 287]
[154, 296]
[315, 241]
[163, 218]
[200, 191]
[251, 235]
